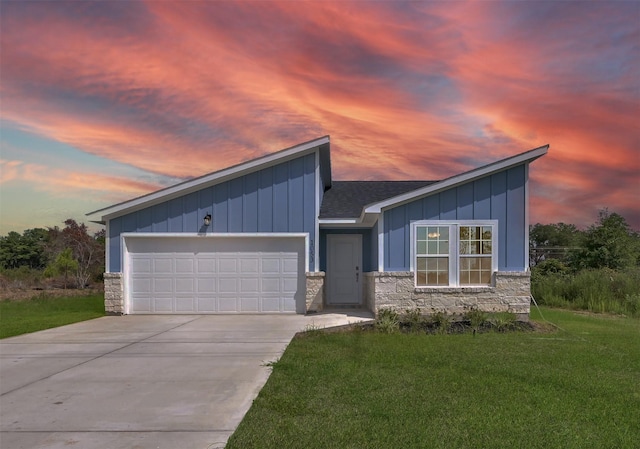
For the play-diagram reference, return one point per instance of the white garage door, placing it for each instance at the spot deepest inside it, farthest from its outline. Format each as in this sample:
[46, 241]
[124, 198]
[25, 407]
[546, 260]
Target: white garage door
[205, 274]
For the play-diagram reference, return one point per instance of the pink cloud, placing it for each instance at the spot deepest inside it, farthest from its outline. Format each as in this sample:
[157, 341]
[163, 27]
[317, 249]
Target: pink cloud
[411, 90]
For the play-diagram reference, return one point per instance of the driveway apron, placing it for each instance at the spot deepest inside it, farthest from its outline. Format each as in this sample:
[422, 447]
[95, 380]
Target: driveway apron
[141, 381]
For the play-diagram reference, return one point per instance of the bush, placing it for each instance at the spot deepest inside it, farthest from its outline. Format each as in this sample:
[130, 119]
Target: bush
[388, 321]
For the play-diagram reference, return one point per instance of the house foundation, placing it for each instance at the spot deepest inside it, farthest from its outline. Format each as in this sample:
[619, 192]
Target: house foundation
[510, 292]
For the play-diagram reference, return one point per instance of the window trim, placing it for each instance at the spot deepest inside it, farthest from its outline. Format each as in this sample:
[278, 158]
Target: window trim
[454, 250]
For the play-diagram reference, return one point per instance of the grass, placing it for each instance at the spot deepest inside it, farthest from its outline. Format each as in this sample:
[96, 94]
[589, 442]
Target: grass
[600, 291]
[572, 388]
[43, 312]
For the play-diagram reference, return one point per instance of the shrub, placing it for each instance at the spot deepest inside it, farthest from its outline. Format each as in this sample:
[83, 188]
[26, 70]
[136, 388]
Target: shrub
[503, 321]
[413, 319]
[388, 321]
[476, 318]
[442, 322]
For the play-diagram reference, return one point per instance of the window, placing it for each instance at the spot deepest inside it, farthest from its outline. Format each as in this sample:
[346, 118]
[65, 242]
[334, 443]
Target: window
[454, 253]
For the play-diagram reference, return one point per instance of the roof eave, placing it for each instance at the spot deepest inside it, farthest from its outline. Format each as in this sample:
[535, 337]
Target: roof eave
[495, 167]
[192, 185]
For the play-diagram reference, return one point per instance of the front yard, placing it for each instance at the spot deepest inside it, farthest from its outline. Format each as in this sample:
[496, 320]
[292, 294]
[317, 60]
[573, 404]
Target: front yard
[21, 316]
[571, 388]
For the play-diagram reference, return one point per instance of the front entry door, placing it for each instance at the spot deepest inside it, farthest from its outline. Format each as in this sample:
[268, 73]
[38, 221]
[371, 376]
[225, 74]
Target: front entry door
[344, 269]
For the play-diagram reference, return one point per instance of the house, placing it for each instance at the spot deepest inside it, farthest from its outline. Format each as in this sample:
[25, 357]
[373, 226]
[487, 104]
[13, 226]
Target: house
[278, 234]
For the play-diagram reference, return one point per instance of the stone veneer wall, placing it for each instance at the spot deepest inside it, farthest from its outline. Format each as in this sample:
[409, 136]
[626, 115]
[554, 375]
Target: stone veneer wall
[315, 291]
[113, 294]
[395, 290]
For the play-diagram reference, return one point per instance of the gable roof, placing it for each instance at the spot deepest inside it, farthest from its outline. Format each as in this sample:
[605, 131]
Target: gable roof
[346, 199]
[192, 185]
[453, 181]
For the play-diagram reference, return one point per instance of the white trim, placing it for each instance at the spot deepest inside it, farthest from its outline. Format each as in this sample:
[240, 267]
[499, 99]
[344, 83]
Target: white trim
[381, 243]
[316, 239]
[107, 251]
[453, 181]
[526, 218]
[192, 185]
[338, 221]
[454, 254]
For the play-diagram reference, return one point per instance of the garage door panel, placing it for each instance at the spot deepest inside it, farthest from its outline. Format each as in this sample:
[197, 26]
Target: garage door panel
[185, 304]
[249, 304]
[227, 265]
[162, 304]
[206, 285]
[228, 285]
[163, 266]
[185, 285]
[290, 265]
[249, 265]
[227, 304]
[271, 304]
[184, 265]
[214, 275]
[206, 305]
[270, 265]
[270, 285]
[141, 264]
[206, 265]
[249, 284]
[162, 285]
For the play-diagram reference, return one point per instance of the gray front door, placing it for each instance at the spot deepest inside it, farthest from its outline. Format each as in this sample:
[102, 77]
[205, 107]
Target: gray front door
[344, 269]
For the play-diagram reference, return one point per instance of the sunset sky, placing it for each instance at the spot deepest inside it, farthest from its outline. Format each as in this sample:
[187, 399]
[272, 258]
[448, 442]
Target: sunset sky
[105, 101]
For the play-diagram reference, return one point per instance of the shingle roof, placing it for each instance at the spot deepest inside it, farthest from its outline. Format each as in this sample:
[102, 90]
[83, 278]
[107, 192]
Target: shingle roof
[346, 199]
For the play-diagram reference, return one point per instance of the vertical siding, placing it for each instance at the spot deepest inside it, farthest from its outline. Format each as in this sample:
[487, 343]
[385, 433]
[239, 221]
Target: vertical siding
[276, 199]
[265, 201]
[500, 196]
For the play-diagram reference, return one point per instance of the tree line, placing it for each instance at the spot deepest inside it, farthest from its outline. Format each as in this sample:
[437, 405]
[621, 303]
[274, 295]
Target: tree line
[608, 243]
[71, 254]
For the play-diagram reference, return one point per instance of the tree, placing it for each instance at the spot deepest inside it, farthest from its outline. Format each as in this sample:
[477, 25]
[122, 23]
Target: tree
[552, 241]
[87, 250]
[64, 265]
[27, 249]
[608, 243]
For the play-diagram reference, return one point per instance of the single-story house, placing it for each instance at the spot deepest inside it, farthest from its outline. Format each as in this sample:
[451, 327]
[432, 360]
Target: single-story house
[277, 234]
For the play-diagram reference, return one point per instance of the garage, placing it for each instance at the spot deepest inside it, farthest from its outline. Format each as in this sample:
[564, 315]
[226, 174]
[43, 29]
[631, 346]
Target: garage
[187, 274]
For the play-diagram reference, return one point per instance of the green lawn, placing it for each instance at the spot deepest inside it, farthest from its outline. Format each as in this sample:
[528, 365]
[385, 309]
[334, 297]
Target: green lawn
[573, 388]
[21, 317]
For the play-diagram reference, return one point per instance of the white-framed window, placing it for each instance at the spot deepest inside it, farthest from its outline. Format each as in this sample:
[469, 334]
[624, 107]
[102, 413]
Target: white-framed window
[454, 253]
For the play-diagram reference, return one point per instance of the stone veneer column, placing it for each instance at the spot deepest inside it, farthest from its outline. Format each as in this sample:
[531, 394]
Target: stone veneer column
[315, 291]
[113, 294]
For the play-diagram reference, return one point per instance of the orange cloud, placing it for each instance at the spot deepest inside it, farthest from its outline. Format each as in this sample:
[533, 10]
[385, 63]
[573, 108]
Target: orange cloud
[406, 90]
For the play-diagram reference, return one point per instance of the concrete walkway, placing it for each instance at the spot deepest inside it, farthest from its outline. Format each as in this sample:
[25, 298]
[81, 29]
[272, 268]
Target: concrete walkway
[141, 381]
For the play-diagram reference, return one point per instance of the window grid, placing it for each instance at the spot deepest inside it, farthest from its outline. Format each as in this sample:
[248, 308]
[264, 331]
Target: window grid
[470, 246]
[475, 255]
[432, 250]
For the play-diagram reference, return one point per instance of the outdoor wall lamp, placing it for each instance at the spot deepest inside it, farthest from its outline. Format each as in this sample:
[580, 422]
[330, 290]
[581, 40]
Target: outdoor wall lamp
[207, 219]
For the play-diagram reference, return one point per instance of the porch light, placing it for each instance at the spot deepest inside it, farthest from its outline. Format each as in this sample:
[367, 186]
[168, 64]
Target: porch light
[207, 219]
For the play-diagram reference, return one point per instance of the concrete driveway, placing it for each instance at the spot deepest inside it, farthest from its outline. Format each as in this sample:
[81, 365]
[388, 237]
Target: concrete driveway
[141, 381]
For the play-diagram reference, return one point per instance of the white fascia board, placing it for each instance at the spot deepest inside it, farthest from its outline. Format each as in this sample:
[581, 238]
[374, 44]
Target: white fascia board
[192, 185]
[462, 178]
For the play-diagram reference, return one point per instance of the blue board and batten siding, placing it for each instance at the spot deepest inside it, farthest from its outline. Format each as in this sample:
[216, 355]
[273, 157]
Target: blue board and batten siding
[500, 196]
[280, 198]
